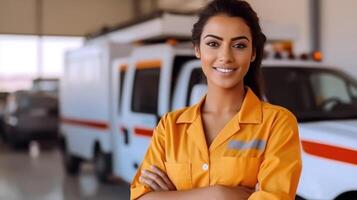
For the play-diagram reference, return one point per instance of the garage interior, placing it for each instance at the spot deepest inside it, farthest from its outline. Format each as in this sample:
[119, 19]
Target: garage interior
[36, 35]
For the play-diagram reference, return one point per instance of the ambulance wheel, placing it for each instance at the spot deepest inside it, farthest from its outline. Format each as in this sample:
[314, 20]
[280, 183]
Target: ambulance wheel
[103, 165]
[347, 196]
[297, 197]
[71, 163]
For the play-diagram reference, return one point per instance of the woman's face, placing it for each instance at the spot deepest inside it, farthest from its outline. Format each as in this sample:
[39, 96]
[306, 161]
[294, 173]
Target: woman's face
[225, 50]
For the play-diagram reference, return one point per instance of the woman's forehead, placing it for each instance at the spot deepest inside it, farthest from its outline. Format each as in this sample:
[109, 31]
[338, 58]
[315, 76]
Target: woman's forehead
[226, 27]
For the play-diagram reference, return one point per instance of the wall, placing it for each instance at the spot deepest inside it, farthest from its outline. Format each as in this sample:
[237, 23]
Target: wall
[339, 34]
[290, 12]
[62, 17]
[182, 5]
[17, 16]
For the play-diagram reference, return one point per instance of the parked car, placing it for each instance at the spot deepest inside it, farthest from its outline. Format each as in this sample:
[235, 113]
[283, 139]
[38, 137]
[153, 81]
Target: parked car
[49, 85]
[3, 96]
[30, 116]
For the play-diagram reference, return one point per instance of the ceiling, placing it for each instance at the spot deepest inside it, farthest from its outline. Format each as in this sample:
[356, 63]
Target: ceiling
[78, 17]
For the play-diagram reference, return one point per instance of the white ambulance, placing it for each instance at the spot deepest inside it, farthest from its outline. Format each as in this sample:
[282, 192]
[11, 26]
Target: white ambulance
[113, 93]
[106, 117]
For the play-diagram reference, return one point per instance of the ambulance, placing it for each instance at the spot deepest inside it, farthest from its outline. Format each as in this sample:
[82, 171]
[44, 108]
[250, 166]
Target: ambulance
[117, 86]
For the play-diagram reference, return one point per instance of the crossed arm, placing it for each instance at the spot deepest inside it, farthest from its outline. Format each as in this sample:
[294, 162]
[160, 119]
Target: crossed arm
[163, 188]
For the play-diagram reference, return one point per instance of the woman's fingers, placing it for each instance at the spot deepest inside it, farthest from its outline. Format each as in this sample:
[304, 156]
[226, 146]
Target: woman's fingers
[156, 179]
[247, 190]
[164, 176]
[149, 182]
[152, 177]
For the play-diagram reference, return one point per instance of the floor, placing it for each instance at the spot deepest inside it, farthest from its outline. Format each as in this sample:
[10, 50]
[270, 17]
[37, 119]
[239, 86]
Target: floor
[36, 173]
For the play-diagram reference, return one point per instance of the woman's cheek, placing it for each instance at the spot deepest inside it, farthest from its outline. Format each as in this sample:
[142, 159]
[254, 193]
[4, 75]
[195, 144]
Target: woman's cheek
[207, 60]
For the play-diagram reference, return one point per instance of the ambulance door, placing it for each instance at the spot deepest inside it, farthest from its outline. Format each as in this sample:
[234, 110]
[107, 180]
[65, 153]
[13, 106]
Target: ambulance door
[119, 135]
[141, 106]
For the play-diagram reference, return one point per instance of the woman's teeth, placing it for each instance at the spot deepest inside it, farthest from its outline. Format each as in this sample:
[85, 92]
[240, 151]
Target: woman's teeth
[224, 70]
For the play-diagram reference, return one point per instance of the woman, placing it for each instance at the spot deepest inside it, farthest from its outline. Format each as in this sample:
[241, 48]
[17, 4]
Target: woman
[230, 145]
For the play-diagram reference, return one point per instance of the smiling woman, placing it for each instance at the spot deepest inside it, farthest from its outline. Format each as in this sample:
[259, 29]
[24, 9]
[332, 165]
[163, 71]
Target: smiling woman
[231, 145]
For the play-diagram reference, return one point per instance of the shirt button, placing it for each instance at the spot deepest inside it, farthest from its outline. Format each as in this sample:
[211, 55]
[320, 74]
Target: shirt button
[205, 167]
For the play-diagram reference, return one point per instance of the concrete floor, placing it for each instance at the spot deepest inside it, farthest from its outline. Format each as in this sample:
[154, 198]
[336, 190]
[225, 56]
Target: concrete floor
[25, 176]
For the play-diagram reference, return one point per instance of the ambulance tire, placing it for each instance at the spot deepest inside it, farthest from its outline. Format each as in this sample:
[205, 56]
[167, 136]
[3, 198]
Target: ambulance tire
[71, 163]
[347, 196]
[103, 166]
[297, 197]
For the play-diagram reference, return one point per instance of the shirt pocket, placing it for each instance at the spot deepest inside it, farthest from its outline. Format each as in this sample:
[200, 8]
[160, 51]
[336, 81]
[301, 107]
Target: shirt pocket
[179, 174]
[240, 170]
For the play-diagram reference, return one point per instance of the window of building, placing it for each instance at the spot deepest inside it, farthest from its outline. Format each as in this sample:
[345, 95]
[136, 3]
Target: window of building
[24, 58]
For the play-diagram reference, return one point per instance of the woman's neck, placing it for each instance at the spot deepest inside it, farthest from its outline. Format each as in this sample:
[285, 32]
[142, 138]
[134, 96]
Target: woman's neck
[222, 101]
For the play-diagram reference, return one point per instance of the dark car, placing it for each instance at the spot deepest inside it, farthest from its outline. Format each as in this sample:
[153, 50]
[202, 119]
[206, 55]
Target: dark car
[48, 85]
[30, 115]
[3, 96]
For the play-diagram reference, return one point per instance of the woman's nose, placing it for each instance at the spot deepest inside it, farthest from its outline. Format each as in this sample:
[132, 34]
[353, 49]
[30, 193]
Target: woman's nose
[225, 55]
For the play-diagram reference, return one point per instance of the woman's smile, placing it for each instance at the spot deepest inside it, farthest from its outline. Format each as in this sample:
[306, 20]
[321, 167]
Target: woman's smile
[225, 70]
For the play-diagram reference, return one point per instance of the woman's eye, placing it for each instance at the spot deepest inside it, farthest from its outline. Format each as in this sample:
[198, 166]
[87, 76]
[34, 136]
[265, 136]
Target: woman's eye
[240, 46]
[212, 44]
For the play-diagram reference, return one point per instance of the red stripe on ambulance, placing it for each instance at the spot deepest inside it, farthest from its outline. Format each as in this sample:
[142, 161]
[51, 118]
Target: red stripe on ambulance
[143, 132]
[330, 152]
[80, 122]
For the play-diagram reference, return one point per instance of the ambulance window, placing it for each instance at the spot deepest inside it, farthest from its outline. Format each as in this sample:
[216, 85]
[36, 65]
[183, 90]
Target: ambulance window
[289, 88]
[196, 77]
[328, 86]
[146, 90]
[179, 61]
[311, 93]
[353, 90]
[122, 74]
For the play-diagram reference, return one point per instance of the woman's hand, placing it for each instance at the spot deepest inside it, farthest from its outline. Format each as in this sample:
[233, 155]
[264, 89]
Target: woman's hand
[225, 192]
[156, 179]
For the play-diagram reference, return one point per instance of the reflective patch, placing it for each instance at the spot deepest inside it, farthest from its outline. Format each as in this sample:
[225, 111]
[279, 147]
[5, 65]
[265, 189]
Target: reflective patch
[244, 145]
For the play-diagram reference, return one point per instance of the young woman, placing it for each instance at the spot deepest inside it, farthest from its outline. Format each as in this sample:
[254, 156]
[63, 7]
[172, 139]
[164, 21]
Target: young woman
[231, 145]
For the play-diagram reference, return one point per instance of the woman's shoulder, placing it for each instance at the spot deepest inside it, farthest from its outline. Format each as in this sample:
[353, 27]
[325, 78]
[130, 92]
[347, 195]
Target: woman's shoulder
[179, 111]
[178, 114]
[277, 111]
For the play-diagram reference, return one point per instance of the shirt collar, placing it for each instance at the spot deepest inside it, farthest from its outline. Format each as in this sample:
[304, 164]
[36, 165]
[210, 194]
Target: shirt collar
[191, 113]
[250, 112]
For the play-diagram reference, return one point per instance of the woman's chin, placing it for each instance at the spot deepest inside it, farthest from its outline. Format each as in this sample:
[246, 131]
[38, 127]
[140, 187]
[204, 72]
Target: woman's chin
[226, 84]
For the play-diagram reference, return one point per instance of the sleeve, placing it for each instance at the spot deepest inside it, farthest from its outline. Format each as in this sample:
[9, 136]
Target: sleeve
[280, 170]
[155, 155]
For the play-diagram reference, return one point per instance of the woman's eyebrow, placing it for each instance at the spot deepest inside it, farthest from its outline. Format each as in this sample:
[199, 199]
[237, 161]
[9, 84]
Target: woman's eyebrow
[239, 38]
[233, 39]
[214, 36]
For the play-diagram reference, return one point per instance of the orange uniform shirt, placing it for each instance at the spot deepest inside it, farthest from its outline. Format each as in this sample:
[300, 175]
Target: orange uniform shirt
[259, 145]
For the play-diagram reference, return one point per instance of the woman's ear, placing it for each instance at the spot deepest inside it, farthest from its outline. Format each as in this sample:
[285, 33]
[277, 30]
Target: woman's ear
[253, 56]
[197, 52]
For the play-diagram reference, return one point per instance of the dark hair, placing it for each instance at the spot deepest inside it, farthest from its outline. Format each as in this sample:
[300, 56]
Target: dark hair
[237, 8]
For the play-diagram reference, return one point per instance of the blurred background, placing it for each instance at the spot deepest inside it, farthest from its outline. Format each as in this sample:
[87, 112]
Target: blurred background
[36, 36]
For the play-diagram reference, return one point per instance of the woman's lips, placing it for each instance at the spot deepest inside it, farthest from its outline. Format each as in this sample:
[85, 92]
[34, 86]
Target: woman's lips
[225, 70]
